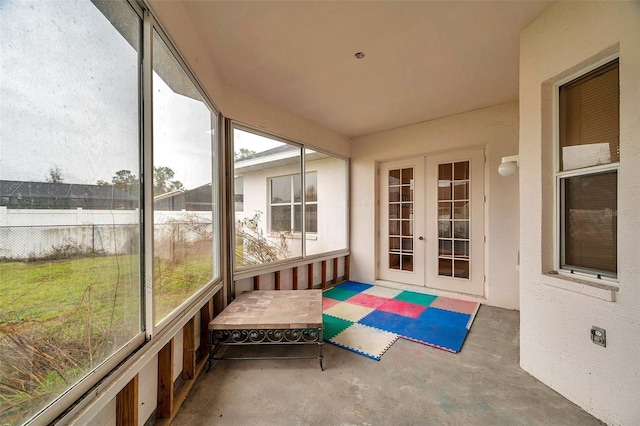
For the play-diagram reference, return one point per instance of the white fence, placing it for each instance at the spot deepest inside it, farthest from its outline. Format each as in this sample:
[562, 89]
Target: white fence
[41, 234]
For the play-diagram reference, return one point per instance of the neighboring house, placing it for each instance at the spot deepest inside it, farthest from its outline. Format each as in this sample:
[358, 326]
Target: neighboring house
[269, 182]
[197, 199]
[45, 195]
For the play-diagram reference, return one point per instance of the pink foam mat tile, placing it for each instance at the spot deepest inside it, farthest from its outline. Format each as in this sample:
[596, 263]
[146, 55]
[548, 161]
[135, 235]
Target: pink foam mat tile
[405, 309]
[327, 303]
[368, 300]
[454, 305]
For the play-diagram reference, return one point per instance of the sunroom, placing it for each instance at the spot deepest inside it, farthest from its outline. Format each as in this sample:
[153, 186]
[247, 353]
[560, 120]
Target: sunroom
[158, 158]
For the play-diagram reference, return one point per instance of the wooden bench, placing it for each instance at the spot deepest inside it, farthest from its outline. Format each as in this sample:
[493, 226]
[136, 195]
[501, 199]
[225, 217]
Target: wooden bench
[289, 317]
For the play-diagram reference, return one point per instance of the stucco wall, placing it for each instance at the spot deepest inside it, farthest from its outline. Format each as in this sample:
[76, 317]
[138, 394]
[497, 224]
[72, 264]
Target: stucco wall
[495, 129]
[557, 315]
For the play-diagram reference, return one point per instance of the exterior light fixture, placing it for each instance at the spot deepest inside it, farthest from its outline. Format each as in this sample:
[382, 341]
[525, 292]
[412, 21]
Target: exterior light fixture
[509, 165]
[359, 55]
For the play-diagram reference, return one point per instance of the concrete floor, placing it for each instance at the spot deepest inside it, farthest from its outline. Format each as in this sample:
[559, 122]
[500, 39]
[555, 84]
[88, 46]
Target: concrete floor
[413, 384]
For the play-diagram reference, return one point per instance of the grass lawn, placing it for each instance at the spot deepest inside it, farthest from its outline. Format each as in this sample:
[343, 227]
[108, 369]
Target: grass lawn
[59, 319]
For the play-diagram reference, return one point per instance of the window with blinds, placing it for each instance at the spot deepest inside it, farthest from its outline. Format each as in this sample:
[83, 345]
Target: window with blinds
[589, 135]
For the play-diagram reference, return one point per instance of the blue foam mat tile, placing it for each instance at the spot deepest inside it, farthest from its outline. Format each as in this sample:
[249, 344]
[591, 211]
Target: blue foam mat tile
[426, 329]
[354, 286]
[434, 335]
[445, 318]
[387, 321]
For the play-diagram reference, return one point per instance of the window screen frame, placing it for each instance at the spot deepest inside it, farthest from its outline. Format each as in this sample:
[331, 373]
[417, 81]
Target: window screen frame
[560, 175]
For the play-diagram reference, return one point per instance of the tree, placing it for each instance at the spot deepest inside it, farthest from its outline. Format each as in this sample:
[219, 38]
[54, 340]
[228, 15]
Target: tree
[124, 180]
[242, 154]
[163, 181]
[55, 175]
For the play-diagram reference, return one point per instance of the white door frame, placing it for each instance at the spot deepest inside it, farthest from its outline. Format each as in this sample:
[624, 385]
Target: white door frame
[425, 224]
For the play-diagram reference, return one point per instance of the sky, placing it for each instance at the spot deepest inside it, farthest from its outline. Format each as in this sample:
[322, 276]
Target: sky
[69, 99]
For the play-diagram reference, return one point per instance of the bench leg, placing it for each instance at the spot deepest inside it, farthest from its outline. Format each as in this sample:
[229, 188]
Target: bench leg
[320, 356]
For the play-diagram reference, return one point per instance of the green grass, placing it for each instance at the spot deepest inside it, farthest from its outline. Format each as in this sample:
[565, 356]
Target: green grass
[59, 319]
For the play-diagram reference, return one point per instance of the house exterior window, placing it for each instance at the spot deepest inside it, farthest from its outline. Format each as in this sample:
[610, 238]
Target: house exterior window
[285, 203]
[587, 173]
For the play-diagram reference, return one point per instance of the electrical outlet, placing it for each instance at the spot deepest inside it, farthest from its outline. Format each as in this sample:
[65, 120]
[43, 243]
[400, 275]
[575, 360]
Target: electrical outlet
[599, 336]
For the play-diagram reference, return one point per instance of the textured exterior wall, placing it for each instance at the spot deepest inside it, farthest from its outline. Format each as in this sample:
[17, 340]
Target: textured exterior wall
[495, 129]
[556, 314]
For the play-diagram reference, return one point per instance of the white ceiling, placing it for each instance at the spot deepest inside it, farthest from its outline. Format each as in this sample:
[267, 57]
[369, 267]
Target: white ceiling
[423, 59]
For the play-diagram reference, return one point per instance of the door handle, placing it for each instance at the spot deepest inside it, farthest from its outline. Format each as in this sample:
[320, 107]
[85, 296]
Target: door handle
[421, 238]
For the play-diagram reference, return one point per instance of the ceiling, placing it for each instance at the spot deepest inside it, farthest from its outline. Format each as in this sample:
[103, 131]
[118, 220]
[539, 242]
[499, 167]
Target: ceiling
[423, 60]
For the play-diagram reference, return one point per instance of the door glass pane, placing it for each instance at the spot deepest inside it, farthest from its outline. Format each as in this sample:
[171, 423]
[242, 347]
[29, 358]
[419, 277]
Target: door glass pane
[445, 267]
[444, 171]
[444, 210]
[461, 229]
[461, 191]
[461, 248]
[394, 177]
[454, 180]
[407, 228]
[407, 176]
[394, 243]
[407, 262]
[70, 281]
[394, 227]
[445, 247]
[444, 189]
[394, 211]
[461, 210]
[461, 269]
[401, 195]
[444, 228]
[394, 194]
[461, 170]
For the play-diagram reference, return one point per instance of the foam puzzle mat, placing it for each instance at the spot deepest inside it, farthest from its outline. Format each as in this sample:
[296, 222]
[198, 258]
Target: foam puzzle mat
[368, 319]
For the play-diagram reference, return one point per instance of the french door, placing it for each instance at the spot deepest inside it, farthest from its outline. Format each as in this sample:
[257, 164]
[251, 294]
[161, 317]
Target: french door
[401, 226]
[432, 222]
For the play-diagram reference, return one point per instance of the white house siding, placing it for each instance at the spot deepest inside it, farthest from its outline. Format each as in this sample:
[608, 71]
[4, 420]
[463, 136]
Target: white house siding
[332, 217]
[495, 129]
[555, 322]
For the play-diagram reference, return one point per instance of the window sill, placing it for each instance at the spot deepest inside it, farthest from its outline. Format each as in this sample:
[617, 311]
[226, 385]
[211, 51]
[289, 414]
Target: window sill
[599, 290]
